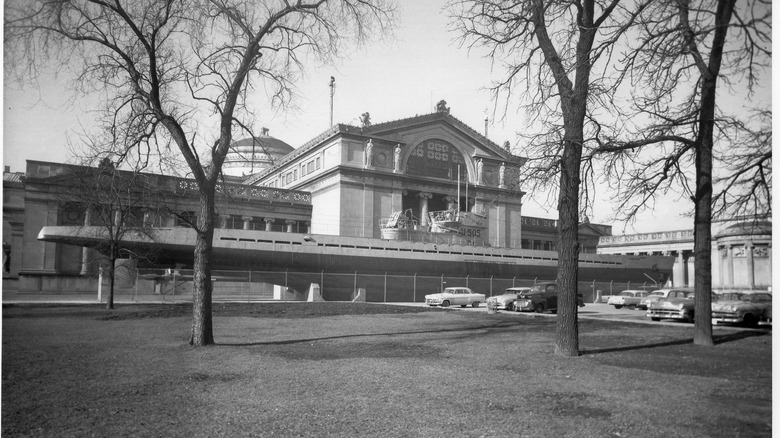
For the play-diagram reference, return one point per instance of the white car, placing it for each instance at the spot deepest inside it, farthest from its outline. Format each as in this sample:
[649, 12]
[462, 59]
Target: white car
[455, 296]
[507, 301]
[661, 294]
[627, 298]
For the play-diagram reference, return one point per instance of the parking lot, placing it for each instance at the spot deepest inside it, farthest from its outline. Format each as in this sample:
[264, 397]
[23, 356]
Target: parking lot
[590, 311]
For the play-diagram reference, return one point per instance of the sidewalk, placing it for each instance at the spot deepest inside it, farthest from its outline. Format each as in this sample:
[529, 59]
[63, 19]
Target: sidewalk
[14, 297]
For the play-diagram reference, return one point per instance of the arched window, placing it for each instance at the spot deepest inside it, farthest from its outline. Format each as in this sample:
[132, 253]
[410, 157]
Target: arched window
[437, 159]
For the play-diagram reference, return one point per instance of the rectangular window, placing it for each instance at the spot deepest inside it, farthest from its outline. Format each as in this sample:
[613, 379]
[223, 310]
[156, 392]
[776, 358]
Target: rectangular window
[317, 163]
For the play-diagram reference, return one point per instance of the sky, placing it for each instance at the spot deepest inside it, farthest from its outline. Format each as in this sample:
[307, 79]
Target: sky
[395, 78]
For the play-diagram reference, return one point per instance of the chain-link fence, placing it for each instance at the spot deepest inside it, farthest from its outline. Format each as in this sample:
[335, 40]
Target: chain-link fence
[176, 285]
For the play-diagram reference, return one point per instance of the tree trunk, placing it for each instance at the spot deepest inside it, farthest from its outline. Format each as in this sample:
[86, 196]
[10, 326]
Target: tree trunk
[702, 244]
[111, 279]
[202, 331]
[702, 233]
[566, 328]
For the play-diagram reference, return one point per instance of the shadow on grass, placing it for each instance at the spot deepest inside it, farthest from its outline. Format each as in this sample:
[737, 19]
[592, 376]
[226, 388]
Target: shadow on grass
[491, 327]
[718, 339]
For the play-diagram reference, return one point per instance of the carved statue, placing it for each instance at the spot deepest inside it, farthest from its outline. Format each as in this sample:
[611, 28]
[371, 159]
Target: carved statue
[397, 158]
[365, 120]
[369, 153]
[480, 179]
[442, 107]
[501, 173]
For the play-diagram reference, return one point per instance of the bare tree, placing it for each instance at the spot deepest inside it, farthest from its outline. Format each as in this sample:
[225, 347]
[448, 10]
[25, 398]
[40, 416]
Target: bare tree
[180, 74]
[549, 50]
[114, 204]
[685, 55]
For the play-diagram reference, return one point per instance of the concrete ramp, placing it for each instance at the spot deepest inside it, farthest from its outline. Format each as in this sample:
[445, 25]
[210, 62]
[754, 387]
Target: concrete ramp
[314, 293]
[359, 296]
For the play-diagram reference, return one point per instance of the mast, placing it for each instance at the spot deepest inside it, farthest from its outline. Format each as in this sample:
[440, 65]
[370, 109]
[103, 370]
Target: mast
[332, 86]
[458, 189]
[467, 191]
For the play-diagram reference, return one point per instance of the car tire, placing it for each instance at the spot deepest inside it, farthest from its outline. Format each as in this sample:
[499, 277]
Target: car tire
[510, 307]
[691, 318]
[475, 304]
[618, 307]
[655, 319]
[539, 308]
[445, 303]
[631, 307]
[750, 320]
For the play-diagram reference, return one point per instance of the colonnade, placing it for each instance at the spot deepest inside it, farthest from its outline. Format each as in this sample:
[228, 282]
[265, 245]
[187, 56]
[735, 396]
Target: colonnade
[745, 264]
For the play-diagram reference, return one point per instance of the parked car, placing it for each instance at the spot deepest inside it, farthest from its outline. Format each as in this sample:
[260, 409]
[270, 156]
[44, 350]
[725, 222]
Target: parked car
[507, 300]
[627, 298]
[743, 308]
[675, 308]
[658, 294]
[455, 296]
[541, 298]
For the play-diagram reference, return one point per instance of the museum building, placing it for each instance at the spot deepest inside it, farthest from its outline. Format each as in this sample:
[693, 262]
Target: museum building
[347, 181]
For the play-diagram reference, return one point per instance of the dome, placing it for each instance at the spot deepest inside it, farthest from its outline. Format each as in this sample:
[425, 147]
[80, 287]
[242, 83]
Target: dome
[252, 155]
[753, 228]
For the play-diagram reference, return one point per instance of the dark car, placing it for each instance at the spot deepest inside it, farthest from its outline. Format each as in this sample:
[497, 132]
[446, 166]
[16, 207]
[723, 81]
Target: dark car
[541, 298]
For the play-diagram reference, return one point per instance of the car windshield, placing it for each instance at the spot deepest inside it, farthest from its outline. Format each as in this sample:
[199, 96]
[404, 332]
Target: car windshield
[657, 293]
[732, 296]
[756, 297]
[626, 294]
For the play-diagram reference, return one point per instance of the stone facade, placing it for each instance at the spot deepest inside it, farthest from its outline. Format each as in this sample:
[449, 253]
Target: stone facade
[359, 176]
[741, 253]
[45, 195]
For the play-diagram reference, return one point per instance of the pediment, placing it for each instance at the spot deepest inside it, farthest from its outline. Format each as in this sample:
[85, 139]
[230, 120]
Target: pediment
[418, 128]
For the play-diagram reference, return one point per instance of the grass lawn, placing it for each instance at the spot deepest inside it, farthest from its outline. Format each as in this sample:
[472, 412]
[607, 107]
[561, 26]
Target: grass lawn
[358, 369]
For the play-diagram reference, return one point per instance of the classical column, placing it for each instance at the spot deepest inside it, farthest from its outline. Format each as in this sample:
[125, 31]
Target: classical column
[678, 270]
[424, 197]
[751, 278]
[290, 225]
[269, 222]
[85, 250]
[690, 270]
[247, 222]
[730, 266]
[721, 268]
